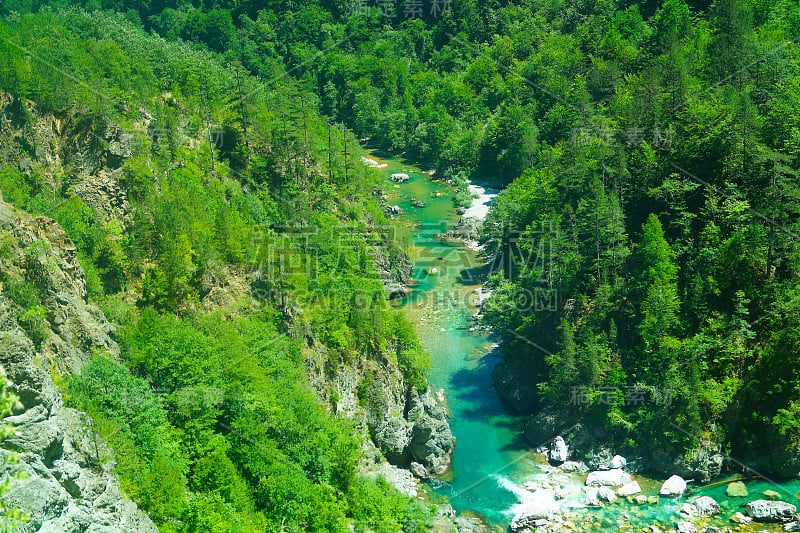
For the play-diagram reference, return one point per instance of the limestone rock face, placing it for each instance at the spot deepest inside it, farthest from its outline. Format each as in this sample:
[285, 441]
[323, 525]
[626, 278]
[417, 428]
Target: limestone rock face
[540, 427]
[701, 464]
[395, 270]
[61, 489]
[406, 425]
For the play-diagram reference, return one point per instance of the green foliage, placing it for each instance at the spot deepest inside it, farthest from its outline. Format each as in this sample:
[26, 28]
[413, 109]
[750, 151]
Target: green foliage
[377, 508]
[210, 416]
[652, 163]
[10, 519]
[133, 419]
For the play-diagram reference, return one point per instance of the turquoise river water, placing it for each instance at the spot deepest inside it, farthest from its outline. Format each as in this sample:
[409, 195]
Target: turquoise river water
[492, 461]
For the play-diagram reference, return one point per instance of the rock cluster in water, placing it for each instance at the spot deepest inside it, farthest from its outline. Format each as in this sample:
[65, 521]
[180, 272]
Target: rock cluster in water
[556, 504]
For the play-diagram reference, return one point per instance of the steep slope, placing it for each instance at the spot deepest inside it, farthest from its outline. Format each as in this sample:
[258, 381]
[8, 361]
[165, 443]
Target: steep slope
[47, 330]
[245, 267]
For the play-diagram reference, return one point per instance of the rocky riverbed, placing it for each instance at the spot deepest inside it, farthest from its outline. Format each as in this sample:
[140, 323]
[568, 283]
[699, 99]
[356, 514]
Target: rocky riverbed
[567, 496]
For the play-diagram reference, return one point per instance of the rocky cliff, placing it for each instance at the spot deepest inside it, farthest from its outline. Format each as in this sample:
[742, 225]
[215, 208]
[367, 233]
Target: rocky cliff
[409, 427]
[47, 331]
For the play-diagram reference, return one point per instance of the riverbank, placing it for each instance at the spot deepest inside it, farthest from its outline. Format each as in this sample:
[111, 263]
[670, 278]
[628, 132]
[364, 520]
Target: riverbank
[495, 473]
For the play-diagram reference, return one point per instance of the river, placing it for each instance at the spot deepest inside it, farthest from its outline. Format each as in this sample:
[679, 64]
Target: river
[492, 463]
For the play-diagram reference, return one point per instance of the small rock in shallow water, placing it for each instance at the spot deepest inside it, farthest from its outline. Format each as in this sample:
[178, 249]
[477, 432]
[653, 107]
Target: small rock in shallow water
[740, 518]
[629, 489]
[687, 509]
[706, 505]
[606, 494]
[737, 489]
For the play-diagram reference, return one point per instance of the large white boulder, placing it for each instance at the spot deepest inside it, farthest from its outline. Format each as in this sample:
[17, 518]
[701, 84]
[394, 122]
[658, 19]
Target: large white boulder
[629, 489]
[608, 478]
[771, 511]
[674, 486]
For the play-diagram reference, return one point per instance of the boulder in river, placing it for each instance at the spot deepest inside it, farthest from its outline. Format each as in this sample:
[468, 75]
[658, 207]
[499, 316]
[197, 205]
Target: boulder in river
[531, 519]
[399, 177]
[574, 466]
[608, 478]
[629, 489]
[685, 527]
[737, 489]
[771, 511]
[687, 509]
[558, 450]
[706, 505]
[674, 486]
[740, 518]
[606, 494]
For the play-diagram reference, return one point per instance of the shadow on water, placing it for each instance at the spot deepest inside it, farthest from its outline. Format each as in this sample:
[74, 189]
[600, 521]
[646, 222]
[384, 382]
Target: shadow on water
[473, 275]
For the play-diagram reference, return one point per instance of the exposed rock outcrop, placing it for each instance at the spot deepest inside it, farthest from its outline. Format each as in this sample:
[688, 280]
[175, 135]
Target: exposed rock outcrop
[395, 269]
[516, 384]
[701, 464]
[404, 424]
[64, 487]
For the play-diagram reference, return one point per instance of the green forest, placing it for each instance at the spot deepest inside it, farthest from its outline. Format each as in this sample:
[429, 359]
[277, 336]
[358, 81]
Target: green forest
[210, 414]
[649, 154]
